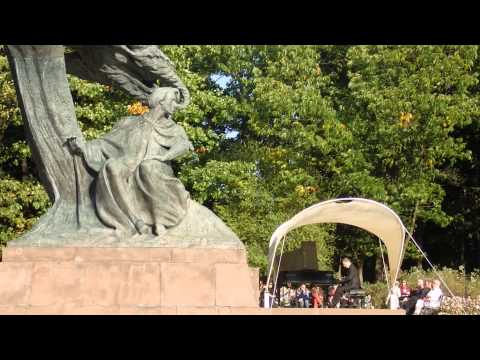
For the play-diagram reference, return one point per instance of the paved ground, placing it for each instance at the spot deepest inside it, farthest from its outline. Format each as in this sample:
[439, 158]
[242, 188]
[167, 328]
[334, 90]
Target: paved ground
[137, 310]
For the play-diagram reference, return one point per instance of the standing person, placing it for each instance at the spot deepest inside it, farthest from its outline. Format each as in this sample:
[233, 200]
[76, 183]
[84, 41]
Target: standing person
[349, 282]
[394, 296]
[270, 295]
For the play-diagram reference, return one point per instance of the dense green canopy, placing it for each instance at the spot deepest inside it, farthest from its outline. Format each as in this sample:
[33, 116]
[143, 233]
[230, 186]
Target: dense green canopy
[279, 128]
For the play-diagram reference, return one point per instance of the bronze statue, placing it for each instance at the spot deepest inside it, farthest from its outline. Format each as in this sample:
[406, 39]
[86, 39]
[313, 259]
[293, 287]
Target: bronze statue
[119, 190]
[136, 189]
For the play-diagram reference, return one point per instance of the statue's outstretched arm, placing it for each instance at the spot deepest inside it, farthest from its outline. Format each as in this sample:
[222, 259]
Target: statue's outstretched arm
[180, 148]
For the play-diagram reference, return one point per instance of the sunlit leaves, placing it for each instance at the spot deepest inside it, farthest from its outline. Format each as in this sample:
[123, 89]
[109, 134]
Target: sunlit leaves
[21, 203]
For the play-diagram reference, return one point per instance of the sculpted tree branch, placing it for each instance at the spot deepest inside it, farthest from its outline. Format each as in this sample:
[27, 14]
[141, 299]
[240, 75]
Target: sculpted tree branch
[135, 69]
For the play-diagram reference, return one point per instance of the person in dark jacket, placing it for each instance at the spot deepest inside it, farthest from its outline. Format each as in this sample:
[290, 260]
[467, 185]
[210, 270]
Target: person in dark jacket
[350, 282]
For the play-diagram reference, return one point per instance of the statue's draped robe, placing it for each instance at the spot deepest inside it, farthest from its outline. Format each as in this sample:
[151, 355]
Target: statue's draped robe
[153, 193]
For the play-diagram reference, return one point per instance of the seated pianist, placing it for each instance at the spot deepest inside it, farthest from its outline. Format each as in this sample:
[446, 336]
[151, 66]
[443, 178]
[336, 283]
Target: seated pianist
[350, 282]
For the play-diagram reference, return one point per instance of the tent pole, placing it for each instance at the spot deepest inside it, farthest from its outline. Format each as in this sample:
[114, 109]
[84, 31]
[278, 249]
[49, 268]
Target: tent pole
[429, 263]
[278, 269]
[384, 265]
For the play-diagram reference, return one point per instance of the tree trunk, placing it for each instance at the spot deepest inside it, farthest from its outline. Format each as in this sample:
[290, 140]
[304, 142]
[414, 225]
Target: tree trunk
[414, 218]
[379, 272]
[360, 271]
[412, 229]
[24, 167]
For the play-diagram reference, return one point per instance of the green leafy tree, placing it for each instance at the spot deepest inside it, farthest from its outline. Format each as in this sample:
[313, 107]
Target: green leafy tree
[407, 101]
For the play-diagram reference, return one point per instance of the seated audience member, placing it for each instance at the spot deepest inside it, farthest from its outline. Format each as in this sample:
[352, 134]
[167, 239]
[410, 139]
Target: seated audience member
[404, 290]
[317, 297]
[303, 297]
[419, 293]
[293, 297]
[331, 293]
[298, 291]
[285, 294]
[432, 300]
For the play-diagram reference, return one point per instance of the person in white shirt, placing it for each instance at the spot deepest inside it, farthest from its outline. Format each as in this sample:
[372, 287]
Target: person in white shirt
[432, 300]
[393, 296]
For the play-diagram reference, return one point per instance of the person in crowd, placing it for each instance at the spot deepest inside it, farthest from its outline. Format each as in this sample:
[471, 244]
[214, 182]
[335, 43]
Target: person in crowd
[322, 296]
[297, 296]
[293, 296]
[263, 290]
[317, 297]
[428, 284]
[262, 293]
[419, 293]
[404, 291]
[432, 300]
[303, 297]
[271, 295]
[349, 282]
[394, 296]
[285, 297]
[331, 293]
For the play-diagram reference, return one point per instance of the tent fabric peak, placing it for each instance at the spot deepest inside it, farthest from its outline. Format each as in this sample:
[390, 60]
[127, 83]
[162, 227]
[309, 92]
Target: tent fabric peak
[366, 214]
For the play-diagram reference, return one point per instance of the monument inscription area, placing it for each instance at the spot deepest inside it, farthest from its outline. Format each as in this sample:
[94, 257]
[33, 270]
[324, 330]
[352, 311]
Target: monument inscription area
[119, 190]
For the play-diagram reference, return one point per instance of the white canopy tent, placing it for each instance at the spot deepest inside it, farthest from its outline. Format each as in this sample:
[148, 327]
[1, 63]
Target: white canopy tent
[369, 215]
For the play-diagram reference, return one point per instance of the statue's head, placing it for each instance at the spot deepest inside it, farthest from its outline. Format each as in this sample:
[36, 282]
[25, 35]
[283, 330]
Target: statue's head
[166, 98]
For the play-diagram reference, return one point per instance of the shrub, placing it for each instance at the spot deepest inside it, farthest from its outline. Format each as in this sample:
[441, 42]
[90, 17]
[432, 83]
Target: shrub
[378, 291]
[460, 306]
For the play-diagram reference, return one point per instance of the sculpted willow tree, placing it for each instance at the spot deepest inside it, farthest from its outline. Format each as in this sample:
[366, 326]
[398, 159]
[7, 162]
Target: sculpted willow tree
[118, 190]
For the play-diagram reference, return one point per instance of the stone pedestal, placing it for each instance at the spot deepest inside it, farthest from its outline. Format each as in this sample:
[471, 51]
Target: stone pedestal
[125, 281]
